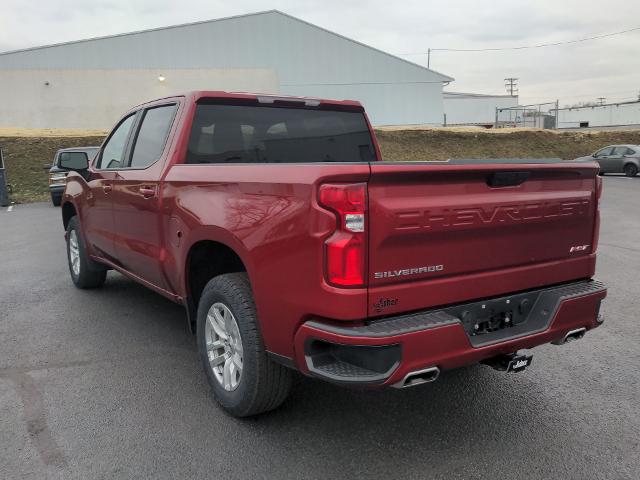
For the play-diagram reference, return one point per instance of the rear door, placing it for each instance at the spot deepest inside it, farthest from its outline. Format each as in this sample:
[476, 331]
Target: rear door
[136, 202]
[616, 160]
[450, 224]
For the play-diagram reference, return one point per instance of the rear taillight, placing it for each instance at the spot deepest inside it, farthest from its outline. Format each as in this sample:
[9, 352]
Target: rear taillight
[346, 249]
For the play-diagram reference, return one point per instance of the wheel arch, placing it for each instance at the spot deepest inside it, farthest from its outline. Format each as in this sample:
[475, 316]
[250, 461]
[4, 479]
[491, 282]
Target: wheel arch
[205, 259]
[68, 212]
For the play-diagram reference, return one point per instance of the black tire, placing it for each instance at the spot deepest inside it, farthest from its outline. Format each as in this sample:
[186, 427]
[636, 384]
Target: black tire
[263, 384]
[90, 274]
[630, 170]
[56, 199]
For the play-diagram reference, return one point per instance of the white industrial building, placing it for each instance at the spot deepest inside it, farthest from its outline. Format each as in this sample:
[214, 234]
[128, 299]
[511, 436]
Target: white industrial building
[608, 115]
[90, 83]
[474, 108]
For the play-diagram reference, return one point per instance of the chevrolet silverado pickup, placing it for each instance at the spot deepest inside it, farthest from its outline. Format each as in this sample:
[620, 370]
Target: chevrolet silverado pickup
[293, 246]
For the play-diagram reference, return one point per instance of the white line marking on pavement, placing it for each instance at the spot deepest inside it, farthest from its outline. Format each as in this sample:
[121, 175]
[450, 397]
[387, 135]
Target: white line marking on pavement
[9, 208]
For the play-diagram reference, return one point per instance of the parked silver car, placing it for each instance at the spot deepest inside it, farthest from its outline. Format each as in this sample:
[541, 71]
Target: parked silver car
[616, 159]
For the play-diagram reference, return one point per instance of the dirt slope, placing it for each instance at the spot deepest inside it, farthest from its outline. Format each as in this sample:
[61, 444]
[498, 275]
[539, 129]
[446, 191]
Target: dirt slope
[25, 152]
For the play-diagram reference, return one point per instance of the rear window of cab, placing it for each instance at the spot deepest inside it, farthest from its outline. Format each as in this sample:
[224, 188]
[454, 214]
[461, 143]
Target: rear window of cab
[268, 134]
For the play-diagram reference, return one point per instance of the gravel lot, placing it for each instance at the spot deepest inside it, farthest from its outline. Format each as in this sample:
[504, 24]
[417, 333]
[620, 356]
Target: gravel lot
[107, 384]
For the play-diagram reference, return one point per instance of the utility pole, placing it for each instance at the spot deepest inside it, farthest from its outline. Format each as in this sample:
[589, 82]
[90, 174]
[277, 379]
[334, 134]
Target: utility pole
[511, 84]
[428, 57]
[601, 100]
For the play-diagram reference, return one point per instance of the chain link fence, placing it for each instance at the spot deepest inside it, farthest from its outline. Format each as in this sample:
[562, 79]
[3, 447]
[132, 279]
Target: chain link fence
[537, 115]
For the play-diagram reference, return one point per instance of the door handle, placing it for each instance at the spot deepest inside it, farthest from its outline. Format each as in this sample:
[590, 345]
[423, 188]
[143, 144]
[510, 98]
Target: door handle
[107, 188]
[147, 192]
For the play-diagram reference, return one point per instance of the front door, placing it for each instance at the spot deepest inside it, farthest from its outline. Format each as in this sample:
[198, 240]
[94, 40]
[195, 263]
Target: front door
[98, 222]
[136, 198]
[603, 157]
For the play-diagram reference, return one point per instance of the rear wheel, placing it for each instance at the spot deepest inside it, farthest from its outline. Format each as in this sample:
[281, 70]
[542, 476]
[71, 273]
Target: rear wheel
[85, 273]
[243, 379]
[630, 170]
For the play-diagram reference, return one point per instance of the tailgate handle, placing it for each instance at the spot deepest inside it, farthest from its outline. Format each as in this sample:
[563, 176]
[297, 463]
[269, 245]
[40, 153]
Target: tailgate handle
[506, 179]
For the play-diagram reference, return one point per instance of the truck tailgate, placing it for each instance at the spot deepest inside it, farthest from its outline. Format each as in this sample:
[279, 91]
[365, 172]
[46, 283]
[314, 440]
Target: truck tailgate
[437, 229]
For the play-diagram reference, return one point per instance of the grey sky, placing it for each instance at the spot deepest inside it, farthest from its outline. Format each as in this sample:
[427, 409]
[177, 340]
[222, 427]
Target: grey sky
[607, 67]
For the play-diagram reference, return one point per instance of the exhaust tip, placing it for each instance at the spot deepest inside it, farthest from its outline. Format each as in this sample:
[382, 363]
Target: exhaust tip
[419, 377]
[571, 335]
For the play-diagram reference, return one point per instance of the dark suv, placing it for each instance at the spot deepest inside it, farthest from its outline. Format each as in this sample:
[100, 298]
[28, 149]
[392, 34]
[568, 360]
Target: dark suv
[57, 176]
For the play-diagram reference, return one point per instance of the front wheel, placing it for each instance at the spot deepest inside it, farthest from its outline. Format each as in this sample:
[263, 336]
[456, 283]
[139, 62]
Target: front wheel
[630, 170]
[85, 273]
[56, 199]
[243, 379]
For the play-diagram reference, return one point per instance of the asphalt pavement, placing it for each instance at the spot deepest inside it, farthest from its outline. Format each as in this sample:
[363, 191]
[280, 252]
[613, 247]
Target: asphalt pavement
[107, 384]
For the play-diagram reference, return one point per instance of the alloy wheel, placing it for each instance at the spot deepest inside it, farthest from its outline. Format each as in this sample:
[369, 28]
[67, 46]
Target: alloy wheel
[224, 346]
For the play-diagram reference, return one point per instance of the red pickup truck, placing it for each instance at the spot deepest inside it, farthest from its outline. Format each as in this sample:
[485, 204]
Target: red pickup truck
[292, 245]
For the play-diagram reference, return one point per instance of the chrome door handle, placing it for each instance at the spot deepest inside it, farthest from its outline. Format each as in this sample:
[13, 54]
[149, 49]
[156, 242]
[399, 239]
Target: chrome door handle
[107, 188]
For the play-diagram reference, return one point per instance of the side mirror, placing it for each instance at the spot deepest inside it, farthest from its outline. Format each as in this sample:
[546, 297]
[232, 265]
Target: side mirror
[76, 161]
[46, 166]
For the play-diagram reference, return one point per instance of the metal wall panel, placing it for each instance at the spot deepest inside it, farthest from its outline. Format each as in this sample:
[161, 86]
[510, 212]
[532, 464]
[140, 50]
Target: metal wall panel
[600, 116]
[96, 99]
[472, 109]
[307, 59]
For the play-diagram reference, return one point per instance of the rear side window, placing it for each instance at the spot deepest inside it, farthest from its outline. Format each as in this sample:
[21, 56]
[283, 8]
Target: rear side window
[152, 135]
[621, 151]
[254, 134]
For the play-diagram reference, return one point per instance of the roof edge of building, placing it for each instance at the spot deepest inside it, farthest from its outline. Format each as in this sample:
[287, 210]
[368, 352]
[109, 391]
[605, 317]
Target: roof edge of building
[481, 95]
[628, 102]
[138, 32]
[443, 77]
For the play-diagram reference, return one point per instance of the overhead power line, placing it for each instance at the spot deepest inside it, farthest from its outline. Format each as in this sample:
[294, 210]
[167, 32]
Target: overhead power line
[524, 47]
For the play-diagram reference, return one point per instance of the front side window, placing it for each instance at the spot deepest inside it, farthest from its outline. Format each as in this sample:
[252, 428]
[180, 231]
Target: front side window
[255, 134]
[152, 135]
[113, 152]
[604, 152]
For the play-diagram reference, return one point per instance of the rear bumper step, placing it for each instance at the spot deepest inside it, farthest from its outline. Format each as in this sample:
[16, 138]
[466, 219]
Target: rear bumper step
[395, 350]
